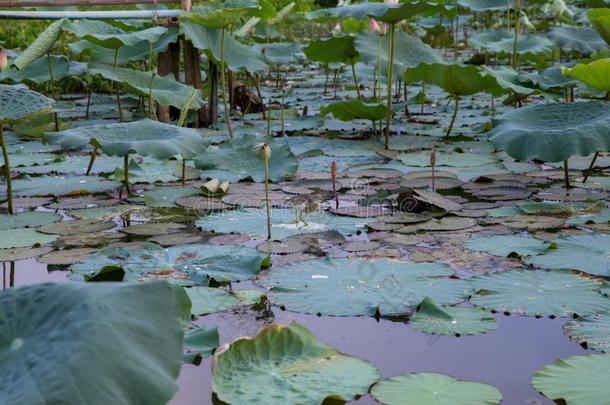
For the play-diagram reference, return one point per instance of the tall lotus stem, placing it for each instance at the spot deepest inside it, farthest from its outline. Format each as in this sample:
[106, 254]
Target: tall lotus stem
[264, 151]
[590, 167]
[388, 117]
[52, 88]
[333, 174]
[453, 117]
[566, 174]
[515, 63]
[223, 83]
[282, 115]
[126, 174]
[118, 91]
[433, 164]
[91, 161]
[7, 171]
[355, 79]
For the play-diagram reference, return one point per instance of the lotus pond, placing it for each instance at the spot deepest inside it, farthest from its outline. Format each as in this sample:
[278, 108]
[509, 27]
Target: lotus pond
[282, 202]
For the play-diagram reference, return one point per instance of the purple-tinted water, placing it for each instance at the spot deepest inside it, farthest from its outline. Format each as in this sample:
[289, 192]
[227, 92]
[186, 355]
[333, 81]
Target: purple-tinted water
[506, 358]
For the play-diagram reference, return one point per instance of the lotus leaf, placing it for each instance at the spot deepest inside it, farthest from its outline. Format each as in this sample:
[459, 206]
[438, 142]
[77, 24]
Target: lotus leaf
[199, 342]
[258, 370]
[23, 237]
[84, 333]
[18, 103]
[206, 300]
[108, 36]
[557, 381]
[432, 388]
[349, 287]
[600, 19]
[505, 245]
[354, 109]
[595, 74]
[553, 132]
[42, 45]
[539, 293]
[580, 39]
[592, 331]
[446, 320]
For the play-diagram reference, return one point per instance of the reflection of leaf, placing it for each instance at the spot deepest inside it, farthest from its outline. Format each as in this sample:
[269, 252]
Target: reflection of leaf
[83, 333]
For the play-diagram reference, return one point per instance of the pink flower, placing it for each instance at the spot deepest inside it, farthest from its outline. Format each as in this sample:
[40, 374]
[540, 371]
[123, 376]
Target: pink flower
[391, 1]
[3, 58]
[374, 26]
[337, 28]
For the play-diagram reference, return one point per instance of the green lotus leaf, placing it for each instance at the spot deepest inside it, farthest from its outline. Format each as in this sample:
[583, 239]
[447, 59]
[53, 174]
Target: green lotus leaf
[485, 5]
[42, 45]
[280, 53]
[61, 186]
[23, 237]
[409, 51]
[600, 19]
[455, 79]
[222, 15]
[238, 159]
[583, 40]
[350, 287]
[592, 331]
[164, 89]
[545, 208]
[557, 381]
[354, 109]
[18, 103]
[199, 342]
[391, 13]
[332, 50]
[447, 158]
[508, 79]
[109, 36]
[28, 219]
[446, 320]
[207, 300]
[83, 333]
[38, 71]
[550, 78]
[146, 137]
[237, 55]
[553, 132]
[197, 262]
[539, 293]
[433, 388]
[505, 245]
[587, 252]
[253, 222]
[259, 370]
[595, 74]
[501, 41]
[105, 56]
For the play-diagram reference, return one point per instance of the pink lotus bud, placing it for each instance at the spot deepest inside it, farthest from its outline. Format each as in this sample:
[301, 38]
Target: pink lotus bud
[391, 1]
[337, 28]
[433, 156]
[333, 168]
[373, 25]
[3, 58]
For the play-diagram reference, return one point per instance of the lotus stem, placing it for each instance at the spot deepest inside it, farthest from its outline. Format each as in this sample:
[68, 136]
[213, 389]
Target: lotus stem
[423, 102]
[265, 152]
[126, 174]
[590, 169]
[433, 164]
[507, 14]
[515, 63]
[257, 86]
[407, 113]
[453, 117]
[355, 79]
[223, 82]
[88, 104]
[183, 171]
[11, 277]
[118, 91]
[333, 174]
[388, 117]
[7, 171]
[151, 112]
[91, 161]
[335, 83]
[325, 79]
[269, 120]
[493, 107]
[282, 114]
[566, 174]
[52, 88]
[185, 109]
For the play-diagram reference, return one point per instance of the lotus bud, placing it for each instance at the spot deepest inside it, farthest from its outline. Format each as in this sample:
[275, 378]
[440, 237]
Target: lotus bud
[337, 28]
[3, 59]
[433, 157]
[263, 150]
[525, 21]
[333, 168]
[374, 26]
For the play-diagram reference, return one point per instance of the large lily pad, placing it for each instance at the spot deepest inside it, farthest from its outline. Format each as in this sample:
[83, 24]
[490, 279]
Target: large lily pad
[238, 160]
[164, 89]
[581, 380]
[433, 388]
[18, 103]
[27, 219]
[355, 109]
[347, 287]
[207, 300]
[588, 252]
[580, 39]
[146, 137]
[505, 245]
[539, 293]
[258, 370]
[501, 41]
[553, 132]
[84, 333]
[447, 320]
[23, 237]
[592, 330]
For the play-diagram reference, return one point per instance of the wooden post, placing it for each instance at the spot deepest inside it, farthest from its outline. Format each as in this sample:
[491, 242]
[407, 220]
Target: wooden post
[192, 74]
[213, 96]
[169, 63]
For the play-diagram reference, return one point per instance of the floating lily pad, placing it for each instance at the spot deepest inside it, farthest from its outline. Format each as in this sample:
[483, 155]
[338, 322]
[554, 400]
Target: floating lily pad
[348, 287]
[154, 229]
[446, 320]
[206, 300]
[15, 254]
[23, 237]
[557, 381]
[199, 342]
[32, 219]
[65, 257]
[288, 355]
[592, 331]
[506, 245]
[55, 322]
[588, 252]
[539, 293]
[76, 227]
[433, 388]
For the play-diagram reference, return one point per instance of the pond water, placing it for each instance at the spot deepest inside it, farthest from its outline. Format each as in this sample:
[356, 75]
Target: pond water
[506, 358]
